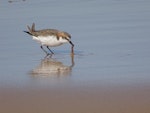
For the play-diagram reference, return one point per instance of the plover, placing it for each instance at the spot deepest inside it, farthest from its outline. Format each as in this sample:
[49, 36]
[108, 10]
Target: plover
[50, 38]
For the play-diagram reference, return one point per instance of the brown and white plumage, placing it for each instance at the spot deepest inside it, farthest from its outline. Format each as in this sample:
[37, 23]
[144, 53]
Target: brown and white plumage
[49, 37]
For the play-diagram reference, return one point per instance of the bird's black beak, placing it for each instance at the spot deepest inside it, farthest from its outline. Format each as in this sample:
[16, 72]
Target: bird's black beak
[72, 50]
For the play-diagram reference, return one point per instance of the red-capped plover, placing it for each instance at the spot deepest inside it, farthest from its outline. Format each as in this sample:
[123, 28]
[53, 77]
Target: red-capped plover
[50, 38]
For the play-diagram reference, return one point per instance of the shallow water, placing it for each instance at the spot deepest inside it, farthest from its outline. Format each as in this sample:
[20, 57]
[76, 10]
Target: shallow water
[108, 73]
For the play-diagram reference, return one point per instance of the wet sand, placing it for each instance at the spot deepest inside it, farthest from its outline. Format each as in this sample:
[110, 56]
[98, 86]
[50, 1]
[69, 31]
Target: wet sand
[83, 99]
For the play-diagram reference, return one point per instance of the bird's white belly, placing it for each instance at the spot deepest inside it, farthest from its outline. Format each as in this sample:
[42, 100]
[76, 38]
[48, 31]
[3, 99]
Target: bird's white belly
[51, 41]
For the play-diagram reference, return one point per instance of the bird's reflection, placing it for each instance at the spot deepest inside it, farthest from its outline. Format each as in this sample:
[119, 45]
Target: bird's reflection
[52, 68]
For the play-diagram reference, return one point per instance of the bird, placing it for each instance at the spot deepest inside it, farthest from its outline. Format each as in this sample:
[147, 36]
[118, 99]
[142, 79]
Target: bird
[50, 38]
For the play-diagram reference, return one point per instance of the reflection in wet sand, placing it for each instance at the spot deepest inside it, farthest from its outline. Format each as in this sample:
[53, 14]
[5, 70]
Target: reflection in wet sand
[52, 67]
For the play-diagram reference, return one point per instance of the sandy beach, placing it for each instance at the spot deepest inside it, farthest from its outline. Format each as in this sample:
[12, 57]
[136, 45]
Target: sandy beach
[86, 99]
[109, 72]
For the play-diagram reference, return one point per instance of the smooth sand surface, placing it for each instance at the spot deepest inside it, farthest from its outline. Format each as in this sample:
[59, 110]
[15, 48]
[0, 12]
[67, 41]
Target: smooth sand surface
[76, 100]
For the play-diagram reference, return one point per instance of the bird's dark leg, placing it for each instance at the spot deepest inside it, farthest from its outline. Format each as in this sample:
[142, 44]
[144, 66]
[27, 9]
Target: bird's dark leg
[50, 50]
[44, 50]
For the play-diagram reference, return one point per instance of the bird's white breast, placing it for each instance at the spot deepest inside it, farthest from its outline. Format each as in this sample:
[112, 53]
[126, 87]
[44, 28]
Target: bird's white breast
[51, 41]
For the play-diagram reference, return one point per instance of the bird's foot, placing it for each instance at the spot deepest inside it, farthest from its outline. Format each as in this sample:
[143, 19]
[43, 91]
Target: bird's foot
[48, 55]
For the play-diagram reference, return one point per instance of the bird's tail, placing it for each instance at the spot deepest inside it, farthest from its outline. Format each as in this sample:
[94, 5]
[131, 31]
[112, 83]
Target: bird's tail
[31, 30]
